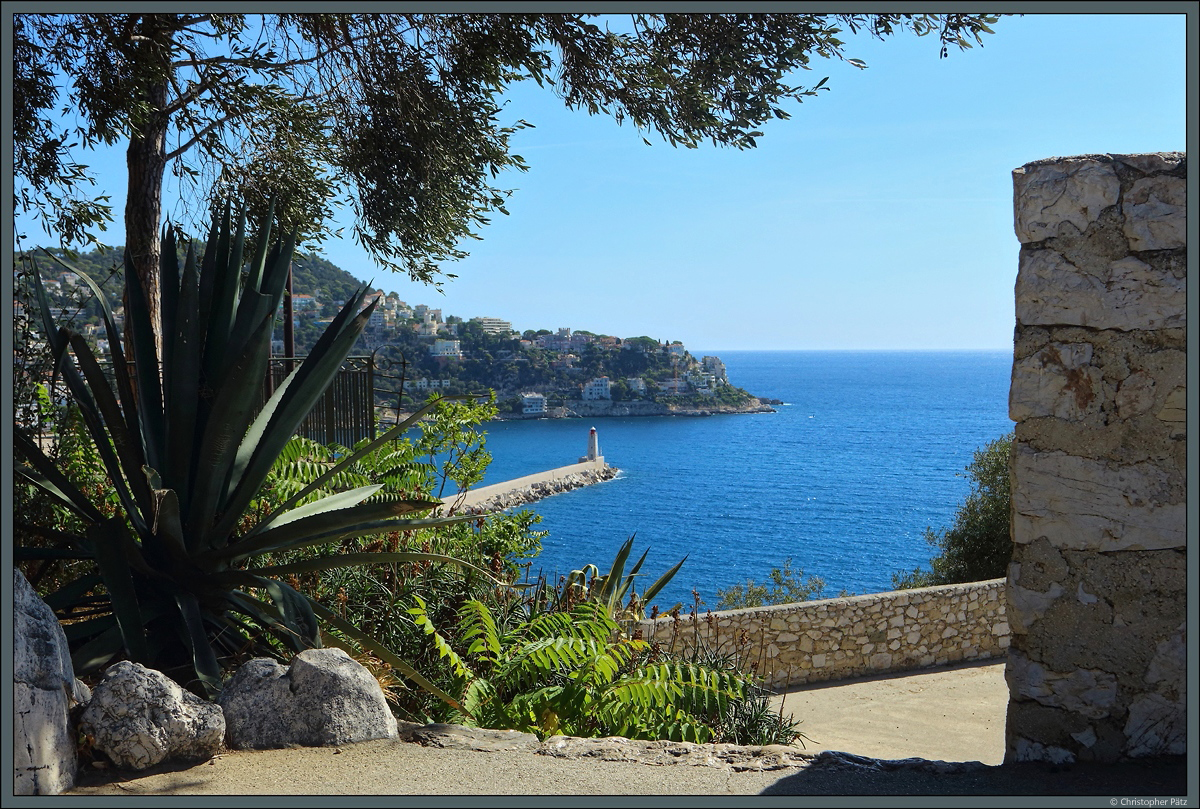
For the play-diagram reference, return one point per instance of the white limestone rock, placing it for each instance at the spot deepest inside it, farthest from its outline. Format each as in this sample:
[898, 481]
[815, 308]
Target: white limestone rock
[1127, 295]
[1026, 606]
[1152, 162]
[1168, 667]
[1156, 726]
[1174, 412]
[1084, 504]
[44, 690]
[1088, 692]
[1056, 381]
[1155, 211]
[324, 698]
[1028, 750]
[1073, 191]
[1135, 395]
[139, 717]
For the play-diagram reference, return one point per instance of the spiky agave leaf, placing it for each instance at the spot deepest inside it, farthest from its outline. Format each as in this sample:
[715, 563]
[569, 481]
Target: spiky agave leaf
[187, 452]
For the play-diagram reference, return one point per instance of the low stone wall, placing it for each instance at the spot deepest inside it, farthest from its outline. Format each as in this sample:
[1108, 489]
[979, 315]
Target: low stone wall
[838, 638]
[531, 488]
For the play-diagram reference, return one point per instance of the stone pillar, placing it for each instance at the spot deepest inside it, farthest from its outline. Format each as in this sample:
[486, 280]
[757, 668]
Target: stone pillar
[1097, 596]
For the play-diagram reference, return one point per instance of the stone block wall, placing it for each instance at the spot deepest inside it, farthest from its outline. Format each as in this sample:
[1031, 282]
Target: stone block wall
[837, 638]
[1097, 596]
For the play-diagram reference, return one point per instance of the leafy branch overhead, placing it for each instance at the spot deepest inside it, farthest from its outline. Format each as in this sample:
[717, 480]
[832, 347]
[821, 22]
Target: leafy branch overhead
[400, 117]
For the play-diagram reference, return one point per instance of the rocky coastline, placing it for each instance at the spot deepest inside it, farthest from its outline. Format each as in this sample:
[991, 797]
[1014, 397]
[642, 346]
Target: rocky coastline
[609, 409]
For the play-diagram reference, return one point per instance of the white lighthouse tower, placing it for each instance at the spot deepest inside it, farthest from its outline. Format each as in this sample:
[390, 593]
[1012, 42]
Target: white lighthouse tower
[593, 451]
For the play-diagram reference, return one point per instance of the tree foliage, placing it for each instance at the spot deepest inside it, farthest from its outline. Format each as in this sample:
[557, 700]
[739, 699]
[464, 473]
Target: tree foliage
[978, 546]
[398, 116]
[786, 586]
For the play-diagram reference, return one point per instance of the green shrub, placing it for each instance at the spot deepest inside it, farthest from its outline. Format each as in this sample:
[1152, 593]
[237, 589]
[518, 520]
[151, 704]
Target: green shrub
[978, 545]
[574, 673]
[786, 586]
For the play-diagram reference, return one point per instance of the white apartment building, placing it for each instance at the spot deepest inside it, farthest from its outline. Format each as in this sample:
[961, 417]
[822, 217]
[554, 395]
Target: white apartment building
[598, 388]
[636, 385]
[715, 367]
[533, 404]
[426, 384]
[493, 325]
[450, 349]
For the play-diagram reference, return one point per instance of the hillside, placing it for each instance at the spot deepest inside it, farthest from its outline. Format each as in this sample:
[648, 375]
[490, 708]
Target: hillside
[417, 346]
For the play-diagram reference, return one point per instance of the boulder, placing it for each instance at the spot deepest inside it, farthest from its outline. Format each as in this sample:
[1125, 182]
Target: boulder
[324, 698]
[44, 691]
[139, 717]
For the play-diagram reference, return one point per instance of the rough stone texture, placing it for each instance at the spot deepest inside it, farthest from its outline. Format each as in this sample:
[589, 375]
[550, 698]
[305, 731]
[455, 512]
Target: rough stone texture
[811, 641]
[1095, 505]
[1056, 198]
[460, 737]
[531, 494]
[1126, 293]
[1097, 587]
[739, 758]
[1155, 211]
[44, 691]
[324, 698]
[139, 717]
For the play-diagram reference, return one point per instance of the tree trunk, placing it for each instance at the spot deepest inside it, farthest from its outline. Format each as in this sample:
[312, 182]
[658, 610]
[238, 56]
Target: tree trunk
[146, 162]
[289, 331]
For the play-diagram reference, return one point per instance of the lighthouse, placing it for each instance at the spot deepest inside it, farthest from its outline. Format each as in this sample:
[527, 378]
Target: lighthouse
[593, 450]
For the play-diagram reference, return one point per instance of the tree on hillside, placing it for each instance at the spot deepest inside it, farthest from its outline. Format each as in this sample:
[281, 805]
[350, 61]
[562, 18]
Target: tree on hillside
[396, 115]
[978, 546]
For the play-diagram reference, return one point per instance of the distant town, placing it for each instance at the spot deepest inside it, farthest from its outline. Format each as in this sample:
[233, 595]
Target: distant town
[543, 372]
[419, 350]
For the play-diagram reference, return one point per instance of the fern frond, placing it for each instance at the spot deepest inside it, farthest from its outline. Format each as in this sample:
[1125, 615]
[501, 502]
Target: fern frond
[421, 619]
[479, 630]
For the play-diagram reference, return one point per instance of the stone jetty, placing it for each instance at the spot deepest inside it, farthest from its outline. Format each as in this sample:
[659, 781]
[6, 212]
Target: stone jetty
[531, 488]
[590, 469]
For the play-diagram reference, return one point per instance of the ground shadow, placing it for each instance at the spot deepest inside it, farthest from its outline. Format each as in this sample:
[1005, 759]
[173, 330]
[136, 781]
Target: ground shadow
[1144, 778]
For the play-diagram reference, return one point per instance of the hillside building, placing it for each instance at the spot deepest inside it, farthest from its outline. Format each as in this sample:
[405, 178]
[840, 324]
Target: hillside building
[446, 349]
[596, 389]
[493, 325]
[533, 404]
[714, 366]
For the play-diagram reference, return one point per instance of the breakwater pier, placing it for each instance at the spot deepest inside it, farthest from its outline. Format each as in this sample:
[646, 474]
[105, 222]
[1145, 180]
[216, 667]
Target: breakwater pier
[591, 468]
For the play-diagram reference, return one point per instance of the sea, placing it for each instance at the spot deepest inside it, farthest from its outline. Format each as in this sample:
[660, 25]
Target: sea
[868, 450]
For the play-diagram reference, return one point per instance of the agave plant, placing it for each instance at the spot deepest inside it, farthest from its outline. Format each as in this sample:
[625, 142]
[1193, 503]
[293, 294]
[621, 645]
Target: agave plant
[613, 590]
[187, 445]
[575, 673]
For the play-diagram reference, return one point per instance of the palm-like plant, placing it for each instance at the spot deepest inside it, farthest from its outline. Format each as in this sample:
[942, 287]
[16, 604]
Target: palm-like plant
[614, 590]
[187, 445]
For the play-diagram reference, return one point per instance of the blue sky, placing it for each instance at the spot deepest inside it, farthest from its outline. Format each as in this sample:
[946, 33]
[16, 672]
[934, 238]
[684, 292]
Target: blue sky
[878, 217]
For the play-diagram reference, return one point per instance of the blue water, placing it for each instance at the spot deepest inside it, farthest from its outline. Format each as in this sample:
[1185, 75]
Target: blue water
[868, 451]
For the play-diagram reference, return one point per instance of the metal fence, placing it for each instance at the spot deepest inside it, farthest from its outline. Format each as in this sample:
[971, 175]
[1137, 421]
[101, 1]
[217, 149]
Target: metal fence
[346, 413]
